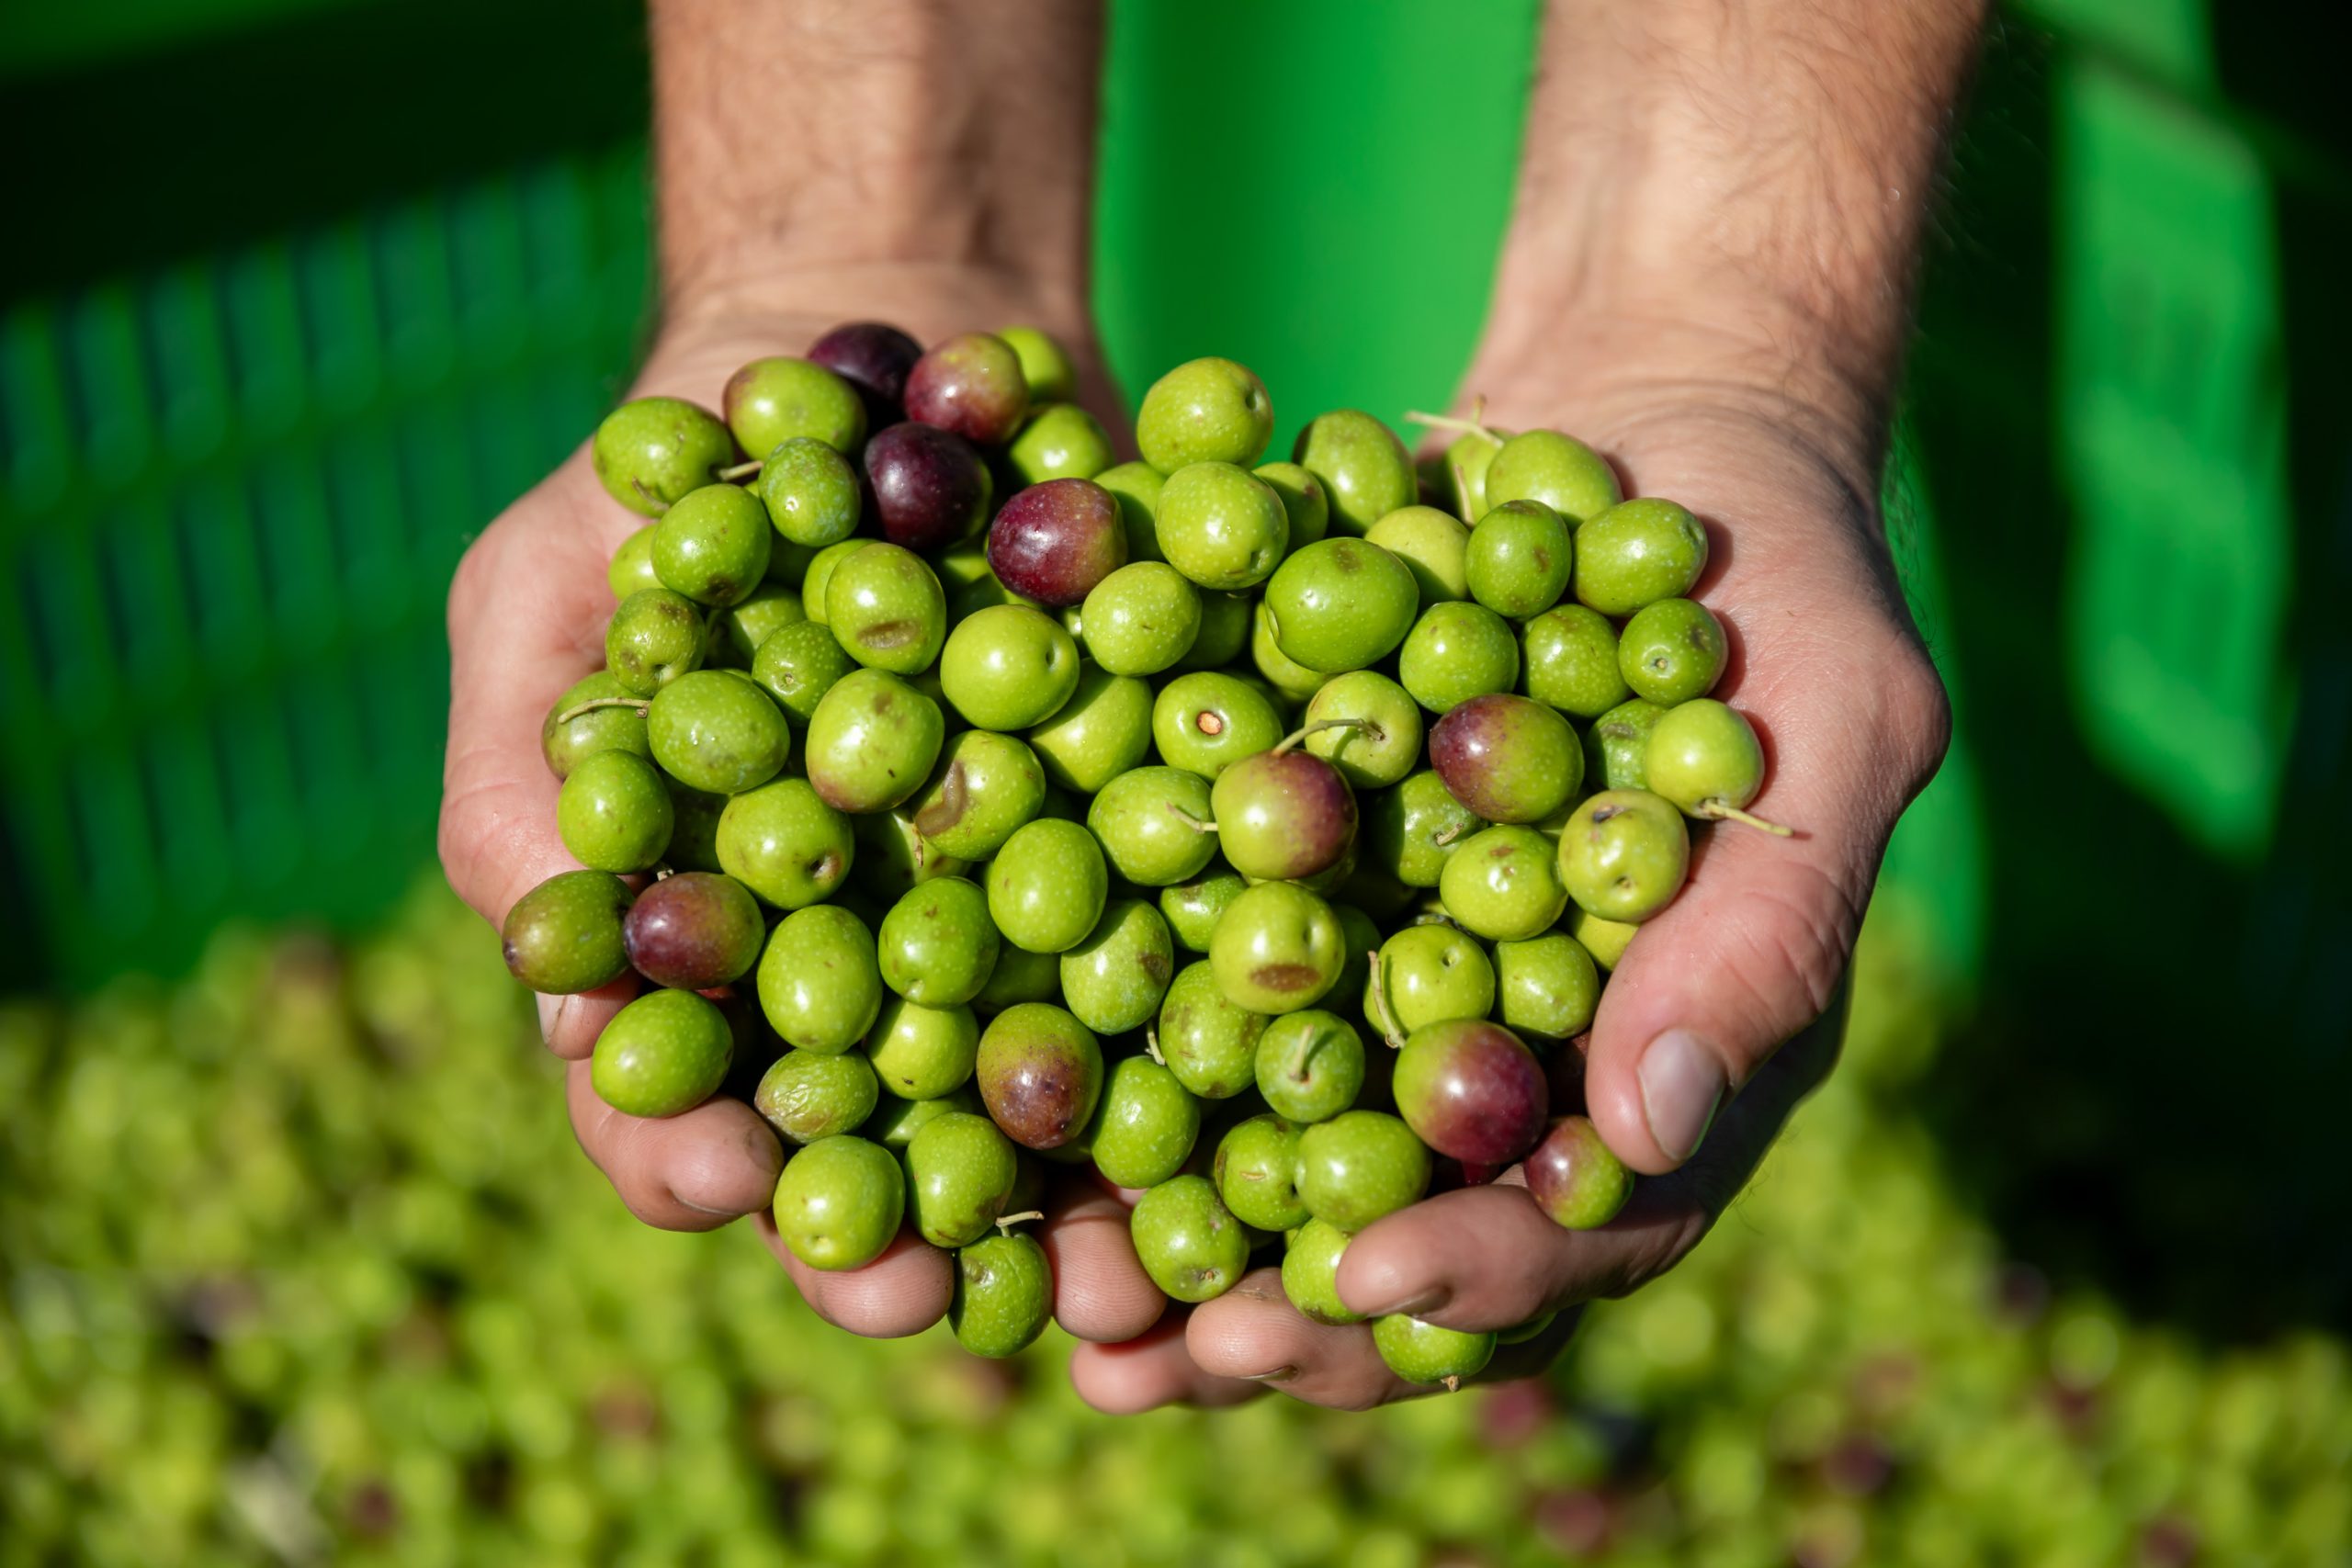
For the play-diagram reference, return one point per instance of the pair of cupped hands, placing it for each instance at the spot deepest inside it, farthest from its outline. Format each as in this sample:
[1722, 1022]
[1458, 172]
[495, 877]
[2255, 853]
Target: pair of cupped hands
[1723, 1014]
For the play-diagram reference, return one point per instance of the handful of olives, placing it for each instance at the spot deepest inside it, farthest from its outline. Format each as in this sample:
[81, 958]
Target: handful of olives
[1253, 831]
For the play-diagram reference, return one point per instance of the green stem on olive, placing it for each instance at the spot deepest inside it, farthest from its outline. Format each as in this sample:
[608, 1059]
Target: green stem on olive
[1716, 811]
[1473, 425]
[568, 714]
[1382, 1019]
[1284, 747]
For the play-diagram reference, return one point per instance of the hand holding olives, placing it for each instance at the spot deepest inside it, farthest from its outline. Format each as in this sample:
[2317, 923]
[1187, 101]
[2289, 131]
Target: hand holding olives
[1260, 835]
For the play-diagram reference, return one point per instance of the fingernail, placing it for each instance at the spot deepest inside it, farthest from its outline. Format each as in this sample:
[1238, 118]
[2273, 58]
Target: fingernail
[551, 1014]
[707, 1209]
[1682, 1083]
[767, 1152]
[1280, 1374]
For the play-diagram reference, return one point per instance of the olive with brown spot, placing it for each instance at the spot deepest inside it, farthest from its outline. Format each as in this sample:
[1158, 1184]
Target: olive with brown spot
[886, 609]
[1278, 948]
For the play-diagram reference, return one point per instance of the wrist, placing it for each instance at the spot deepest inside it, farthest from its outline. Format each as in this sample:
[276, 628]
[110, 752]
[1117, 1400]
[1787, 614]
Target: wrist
[1730, 198]
[810, 159]
[779, 300]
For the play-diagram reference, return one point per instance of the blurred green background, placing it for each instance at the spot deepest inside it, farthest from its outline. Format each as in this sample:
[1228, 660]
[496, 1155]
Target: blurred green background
[302, 1264]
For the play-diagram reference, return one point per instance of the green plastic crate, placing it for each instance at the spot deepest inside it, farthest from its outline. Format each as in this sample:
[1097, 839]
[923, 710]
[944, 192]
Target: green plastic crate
[2171, 39]
[234, 492]
[2173, 424]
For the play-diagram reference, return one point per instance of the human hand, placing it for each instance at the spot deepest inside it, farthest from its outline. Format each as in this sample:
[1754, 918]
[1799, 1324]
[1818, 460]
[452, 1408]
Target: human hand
[1707, 277]
[527, 618]
[1687, 1075]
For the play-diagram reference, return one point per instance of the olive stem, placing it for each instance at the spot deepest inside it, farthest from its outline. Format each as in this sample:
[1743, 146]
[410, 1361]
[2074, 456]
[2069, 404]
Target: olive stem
[1716, 811]
[1441, 839]
[1462, 493]
[1475, 426]
[1295, 736]
[1004, 1223]
[741, 471]
[1384, 1020]
[1151, 1044]
[568, 714]
[1301, 1072]
[1186, 818]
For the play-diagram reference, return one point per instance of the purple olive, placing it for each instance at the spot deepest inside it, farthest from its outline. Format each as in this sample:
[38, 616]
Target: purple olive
[694, 931]
[1053, 542]
[931, 487]
[1282, 815]
[1469, 1089]
[1506, 757]
[1040, 1073]
[972, 384]
[874, 357]
[1575, 1178]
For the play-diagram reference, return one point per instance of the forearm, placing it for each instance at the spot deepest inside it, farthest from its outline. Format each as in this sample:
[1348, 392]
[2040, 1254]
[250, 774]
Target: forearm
[878, 137]
[1742, 181]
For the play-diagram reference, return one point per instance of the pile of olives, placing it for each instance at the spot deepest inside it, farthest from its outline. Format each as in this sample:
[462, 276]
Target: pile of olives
[1058, 810]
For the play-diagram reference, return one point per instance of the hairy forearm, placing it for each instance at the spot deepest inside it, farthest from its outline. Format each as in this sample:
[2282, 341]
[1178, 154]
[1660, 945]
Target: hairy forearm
[828, 136]
[1746, 178]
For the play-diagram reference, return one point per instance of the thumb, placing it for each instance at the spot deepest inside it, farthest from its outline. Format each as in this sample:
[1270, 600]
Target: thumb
[1752, 950]
[1748, 955]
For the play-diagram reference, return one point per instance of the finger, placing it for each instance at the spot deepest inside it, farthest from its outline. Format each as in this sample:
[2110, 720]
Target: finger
[689, 1172]
[1254, 1333]
[1149, 1371]
[903, 1291]
[1486, 1257]
[527, 618]
[569, 1025]
[1101, 1291]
